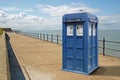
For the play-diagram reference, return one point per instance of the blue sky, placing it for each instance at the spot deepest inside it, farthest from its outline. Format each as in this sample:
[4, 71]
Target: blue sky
[47, 14]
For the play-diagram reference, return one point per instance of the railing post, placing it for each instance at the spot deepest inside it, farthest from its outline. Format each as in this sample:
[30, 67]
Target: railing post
[25, 33]
[47, 37]
[51, 38]
[57, 39]
[34, 35]
[43, 36]
[40, 36]
[103, 46]
[28, 34]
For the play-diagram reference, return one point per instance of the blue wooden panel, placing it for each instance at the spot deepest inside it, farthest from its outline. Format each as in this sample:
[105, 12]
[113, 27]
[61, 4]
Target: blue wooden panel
[94, 51]
[69, 63]
[79, 42]
[94, 62]
[79, 66]
[70, 52]
[69, 41]
[89, 63]
[79, 53]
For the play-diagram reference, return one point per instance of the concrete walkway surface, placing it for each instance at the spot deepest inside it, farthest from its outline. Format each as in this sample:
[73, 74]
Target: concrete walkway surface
[41, 60]
[4, 63]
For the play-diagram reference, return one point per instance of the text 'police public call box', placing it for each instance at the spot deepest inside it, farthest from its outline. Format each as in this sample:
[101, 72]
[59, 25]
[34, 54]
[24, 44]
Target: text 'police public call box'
[80, 43]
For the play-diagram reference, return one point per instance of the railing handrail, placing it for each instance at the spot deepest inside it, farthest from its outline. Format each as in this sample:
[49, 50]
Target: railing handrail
[58, 39]
[111, 41]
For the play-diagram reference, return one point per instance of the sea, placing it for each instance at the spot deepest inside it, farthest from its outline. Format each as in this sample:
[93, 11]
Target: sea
[112, 37]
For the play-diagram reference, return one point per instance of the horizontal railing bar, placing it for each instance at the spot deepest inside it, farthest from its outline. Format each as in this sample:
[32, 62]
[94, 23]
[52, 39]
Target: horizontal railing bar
[113, 42]
[57, 39]
[113, 49]
[100, 40]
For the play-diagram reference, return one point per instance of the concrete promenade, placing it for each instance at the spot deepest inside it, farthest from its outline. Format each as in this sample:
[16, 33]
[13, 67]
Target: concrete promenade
[41, 60]
[4, 63]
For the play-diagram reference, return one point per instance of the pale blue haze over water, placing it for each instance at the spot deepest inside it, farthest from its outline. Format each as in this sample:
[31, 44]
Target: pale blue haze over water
[109, 35]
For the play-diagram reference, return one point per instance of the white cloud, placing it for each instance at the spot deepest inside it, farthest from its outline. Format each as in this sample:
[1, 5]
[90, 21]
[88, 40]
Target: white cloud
[109, 19]
[26, 21]
[28, 10]
[54, 21]
[19, 20]
[2, 14]
[109, 22]
[63, 9]
[10, 9]
[20, 16]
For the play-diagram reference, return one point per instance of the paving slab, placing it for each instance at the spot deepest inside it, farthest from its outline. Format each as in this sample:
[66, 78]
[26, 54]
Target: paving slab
[42, 60]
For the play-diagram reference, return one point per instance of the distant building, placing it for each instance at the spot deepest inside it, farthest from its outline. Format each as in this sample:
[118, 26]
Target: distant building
[7, 29]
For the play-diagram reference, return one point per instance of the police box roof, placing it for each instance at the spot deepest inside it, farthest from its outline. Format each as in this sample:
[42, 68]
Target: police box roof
[73, 17]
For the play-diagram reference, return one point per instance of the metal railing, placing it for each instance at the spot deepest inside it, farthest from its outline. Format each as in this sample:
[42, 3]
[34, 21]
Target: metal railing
[58, 40]
[113, 43]
[46, 37]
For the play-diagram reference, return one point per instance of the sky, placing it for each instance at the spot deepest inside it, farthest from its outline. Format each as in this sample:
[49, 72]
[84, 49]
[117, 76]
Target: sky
[47, 14]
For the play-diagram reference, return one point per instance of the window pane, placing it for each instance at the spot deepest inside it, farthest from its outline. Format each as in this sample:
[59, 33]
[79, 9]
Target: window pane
[90, 27]
[70, 30]
[94, 29]
[79, 30]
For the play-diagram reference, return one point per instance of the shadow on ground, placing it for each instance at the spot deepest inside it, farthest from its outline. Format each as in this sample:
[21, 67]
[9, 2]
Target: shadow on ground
[15, 69]
[107, 71]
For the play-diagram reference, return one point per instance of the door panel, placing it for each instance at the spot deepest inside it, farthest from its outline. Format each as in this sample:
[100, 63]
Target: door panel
[70, 41]
[70, 46]
[70, 53]
[69, 63]
[79, 53]
[74, 47]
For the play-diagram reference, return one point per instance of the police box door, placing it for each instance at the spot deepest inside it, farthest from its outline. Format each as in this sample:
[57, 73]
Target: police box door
[74, 46]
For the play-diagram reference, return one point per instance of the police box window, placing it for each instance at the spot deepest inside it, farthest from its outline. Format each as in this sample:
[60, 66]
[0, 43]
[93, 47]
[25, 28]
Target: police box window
[79, 30]
[70, 30]
[94, 29]
[90, 28]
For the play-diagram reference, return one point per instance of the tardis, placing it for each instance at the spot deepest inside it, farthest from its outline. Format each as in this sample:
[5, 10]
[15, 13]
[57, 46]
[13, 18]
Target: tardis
[80, 43]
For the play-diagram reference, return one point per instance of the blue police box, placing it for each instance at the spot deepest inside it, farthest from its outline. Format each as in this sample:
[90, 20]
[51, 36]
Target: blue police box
[80, 43]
